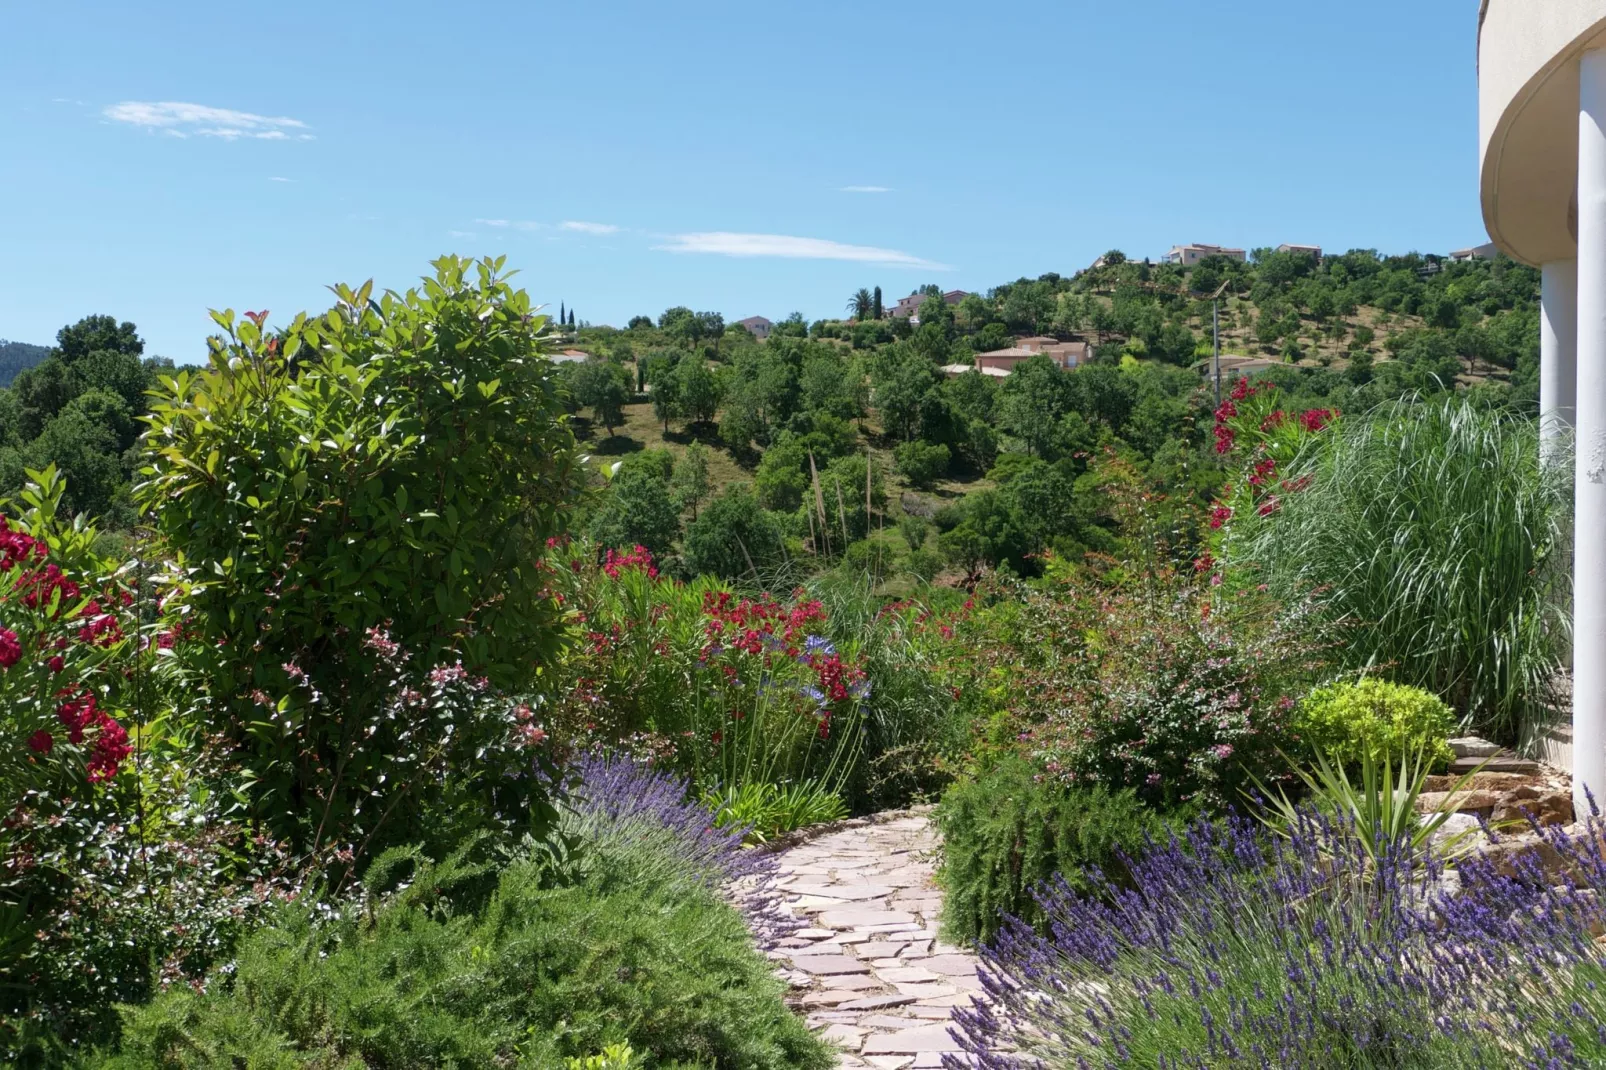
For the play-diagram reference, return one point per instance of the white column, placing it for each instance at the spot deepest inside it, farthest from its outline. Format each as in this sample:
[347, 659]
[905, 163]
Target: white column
[1558, 356]
[1589, 481]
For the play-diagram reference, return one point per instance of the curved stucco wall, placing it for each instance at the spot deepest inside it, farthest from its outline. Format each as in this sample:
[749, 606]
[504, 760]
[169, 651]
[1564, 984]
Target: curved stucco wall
[1528, 120]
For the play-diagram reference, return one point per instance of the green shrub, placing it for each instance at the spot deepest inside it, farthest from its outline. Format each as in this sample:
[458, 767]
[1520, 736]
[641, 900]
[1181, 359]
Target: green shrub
[922, 463]
[1372, 718]
[1010, 827]
[446, 974]
[397, 464]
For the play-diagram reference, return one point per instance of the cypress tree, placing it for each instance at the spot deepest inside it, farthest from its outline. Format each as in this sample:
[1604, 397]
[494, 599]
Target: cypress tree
[875, 303]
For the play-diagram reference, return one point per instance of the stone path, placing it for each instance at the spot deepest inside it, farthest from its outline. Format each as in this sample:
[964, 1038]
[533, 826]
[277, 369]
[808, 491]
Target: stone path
[870, 972]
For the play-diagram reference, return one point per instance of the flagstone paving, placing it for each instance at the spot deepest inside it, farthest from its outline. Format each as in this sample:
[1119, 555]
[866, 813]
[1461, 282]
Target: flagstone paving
[870, 972]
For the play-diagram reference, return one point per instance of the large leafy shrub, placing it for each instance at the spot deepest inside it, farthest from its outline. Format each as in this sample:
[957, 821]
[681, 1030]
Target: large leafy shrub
[379, 478]
[1435, 541]
[1007, 830]
[626, 941]
[1240, 948]
[1370, 717]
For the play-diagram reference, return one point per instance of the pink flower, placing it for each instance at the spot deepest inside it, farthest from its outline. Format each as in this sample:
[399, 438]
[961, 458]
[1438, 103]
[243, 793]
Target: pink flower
[56, 663]
[10, 648]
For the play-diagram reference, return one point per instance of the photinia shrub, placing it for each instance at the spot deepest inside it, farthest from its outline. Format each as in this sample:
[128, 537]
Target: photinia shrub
[394, 464]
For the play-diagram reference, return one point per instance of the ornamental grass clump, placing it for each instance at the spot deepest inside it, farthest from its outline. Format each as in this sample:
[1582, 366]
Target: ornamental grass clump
[1234, 947]
[1436, 543]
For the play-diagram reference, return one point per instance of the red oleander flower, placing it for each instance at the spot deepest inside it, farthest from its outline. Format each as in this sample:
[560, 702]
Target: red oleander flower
[10, 648]
[41, 742]
[1316, 419]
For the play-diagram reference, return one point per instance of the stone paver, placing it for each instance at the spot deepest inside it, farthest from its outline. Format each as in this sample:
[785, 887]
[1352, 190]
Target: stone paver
[870, 971]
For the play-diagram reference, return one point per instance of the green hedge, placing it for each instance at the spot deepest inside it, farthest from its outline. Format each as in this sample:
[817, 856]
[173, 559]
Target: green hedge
[1007, 829]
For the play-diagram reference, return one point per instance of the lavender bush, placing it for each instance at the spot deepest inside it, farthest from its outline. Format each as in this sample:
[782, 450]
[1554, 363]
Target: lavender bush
[624, 806]
[1235, 948]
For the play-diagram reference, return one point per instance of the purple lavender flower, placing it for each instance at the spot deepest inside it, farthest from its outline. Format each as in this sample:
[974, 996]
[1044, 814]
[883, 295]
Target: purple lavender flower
[617, 797]
[1237, 947]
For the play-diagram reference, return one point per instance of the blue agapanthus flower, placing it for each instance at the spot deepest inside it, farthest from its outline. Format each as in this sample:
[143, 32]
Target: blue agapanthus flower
[815, 644]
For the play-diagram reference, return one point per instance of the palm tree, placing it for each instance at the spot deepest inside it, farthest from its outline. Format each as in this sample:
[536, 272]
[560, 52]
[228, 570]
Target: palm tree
[861, 304]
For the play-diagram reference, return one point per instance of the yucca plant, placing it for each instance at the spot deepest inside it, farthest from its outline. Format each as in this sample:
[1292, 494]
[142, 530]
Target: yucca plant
[1436, 544]
[1381, 805]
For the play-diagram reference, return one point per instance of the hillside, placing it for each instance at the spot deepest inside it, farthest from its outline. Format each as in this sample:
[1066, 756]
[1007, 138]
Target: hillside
[18, 356]
[1005, 467]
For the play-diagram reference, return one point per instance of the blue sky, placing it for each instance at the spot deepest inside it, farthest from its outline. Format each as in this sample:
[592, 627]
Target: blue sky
[160, 160]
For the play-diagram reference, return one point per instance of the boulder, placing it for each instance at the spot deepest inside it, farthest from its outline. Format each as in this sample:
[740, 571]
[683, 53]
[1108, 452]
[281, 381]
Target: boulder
[1548, 808]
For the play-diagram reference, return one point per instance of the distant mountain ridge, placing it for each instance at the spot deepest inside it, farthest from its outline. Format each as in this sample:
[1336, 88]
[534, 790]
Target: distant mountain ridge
[18, 356]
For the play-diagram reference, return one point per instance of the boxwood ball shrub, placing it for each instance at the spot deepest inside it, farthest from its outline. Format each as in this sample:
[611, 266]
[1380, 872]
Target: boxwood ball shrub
[1372, 718]
[1010, 828]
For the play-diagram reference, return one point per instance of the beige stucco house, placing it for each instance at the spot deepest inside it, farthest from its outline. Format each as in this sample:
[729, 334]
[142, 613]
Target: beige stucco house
[1542, 159]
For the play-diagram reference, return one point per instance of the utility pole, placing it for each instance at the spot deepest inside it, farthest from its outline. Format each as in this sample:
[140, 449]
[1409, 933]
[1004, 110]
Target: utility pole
[1215, 329]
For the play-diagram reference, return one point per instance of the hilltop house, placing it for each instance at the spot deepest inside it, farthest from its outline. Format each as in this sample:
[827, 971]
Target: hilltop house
[1189, 255]
[1485, 251]
[1000, 362]
[1313, 251]
[908, 307]
[757, 326]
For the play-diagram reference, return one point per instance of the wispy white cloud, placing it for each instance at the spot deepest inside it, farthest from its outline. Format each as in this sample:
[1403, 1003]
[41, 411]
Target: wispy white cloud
[515, 224]
[461, 234]
[866, 189]
[279, 178]
[588, 228]
[182, 120]
[725, 243]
